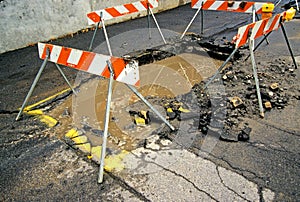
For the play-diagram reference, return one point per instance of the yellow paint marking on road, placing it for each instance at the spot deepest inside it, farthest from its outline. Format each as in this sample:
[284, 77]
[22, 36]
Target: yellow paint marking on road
[72, 133]
[115, 162]
[28, 108]
[35, 112]
[81, 142]
[111, 162]
[48, 120]
[85, 148]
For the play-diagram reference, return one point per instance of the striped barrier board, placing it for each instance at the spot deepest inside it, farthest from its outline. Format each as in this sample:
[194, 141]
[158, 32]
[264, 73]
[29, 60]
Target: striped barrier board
[125, 71]
[258, 29]
[232, 6]
[117, 11]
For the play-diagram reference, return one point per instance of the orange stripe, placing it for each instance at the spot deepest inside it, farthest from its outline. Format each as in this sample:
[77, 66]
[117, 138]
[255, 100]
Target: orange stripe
[85, 60]
[224, 6]
[118, 65]
[259, 11]
[64, 55]
[106, 72]
[245, 35]
[131, 8]
[94, 16]
[275, 20]
[193, 3]
[113, 12]
[207, 4]
[45, 50]
[145, 4]
[138, 83]
[260, 31]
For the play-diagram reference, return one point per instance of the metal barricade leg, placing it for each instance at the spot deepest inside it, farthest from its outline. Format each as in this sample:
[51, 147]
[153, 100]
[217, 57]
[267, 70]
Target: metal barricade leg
[251, 47]
[94, 35]
[191, 22]
[257, 46]
[66, 79]
[220, 68]
[106, 122]
[288, 45]
[161, 34]
[37, 77]
[202, 19]
[150, 106]
[148, 19]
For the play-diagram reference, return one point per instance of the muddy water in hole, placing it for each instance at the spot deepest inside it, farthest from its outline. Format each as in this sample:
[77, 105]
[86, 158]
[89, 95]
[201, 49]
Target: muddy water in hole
[166, 78]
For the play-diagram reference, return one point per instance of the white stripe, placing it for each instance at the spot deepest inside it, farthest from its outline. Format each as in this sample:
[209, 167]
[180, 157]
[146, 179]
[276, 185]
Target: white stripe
[256, 28]
[139, 6]
[130, 74]
[106, 15]
[91, 22]
[74, 56]
[277, 24]
[215, 5]
[258, 6]
[241, 33]
[198, 4]
[41, 47]
[250, 9]
[268, 25]
[154, 3]
[55, 53]
[121, 9]
[98, 64]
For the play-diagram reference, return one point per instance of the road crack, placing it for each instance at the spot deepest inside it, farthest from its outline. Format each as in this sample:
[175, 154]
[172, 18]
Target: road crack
[178, 175]
[222, 181]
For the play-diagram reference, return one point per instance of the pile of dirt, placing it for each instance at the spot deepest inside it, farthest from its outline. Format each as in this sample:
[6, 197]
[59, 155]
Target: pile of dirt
[226, 111]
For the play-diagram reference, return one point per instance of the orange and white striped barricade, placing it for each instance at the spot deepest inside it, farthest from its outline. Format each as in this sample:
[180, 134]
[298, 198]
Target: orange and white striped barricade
[124, 70]
[253, 8]
[100, 16]
[250, 32]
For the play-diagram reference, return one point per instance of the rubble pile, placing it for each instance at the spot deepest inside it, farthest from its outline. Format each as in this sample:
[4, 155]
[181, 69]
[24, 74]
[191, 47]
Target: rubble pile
[224, 113]
[277, 78]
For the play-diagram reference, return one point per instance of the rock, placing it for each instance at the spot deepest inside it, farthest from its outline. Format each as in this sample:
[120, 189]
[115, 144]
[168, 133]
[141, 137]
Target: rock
[152, 146]
[274, 86]
[268, 105]
[236, 101]
[226, 136]
[165, 142]
[244, 135]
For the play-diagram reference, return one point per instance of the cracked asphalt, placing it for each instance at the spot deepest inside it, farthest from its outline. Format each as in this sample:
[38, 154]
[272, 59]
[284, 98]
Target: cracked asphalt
[36, 165]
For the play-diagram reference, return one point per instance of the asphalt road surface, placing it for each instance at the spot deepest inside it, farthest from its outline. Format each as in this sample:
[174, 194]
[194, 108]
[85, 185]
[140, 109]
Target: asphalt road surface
[38, 165]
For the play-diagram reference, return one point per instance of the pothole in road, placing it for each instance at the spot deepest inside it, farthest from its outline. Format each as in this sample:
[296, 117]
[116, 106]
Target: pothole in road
[178, 78]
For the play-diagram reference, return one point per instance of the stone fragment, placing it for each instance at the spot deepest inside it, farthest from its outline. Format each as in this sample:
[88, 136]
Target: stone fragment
[268, 105]
[274, 86]
[236, 101]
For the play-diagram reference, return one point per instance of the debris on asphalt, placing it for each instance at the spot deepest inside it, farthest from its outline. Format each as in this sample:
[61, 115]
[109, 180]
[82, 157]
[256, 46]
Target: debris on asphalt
[140, 118]
[236, 101]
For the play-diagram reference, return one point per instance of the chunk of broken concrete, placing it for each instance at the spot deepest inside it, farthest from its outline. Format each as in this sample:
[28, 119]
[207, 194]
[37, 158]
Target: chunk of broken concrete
[236, 101]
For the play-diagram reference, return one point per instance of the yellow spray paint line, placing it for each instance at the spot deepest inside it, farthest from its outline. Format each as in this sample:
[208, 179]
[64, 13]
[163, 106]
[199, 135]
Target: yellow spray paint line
[28, 108]
[48, 120]
[111, 163]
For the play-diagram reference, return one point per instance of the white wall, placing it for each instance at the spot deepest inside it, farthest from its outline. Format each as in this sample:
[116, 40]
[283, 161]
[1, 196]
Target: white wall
[25, 22]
